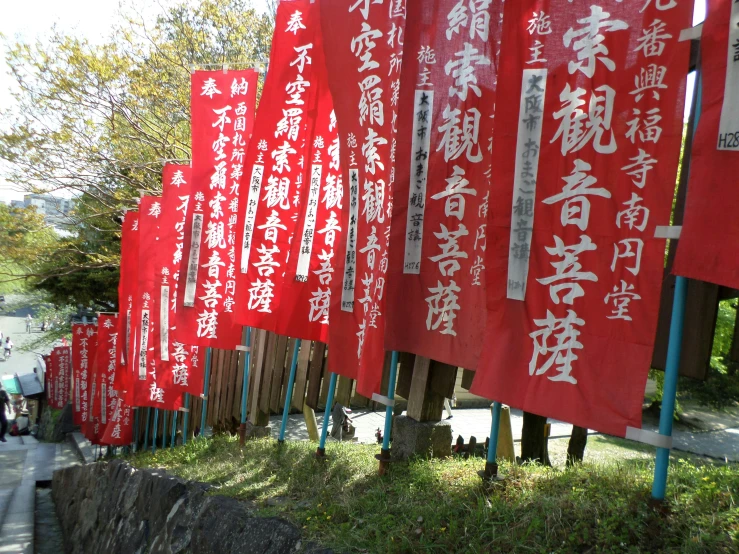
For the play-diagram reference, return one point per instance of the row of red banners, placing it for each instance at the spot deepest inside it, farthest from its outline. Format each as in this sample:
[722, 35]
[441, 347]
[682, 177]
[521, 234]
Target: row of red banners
[492, 175]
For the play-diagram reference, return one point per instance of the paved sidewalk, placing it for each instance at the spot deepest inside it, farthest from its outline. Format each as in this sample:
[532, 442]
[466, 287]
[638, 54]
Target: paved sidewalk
[24, 462]
[719, 438]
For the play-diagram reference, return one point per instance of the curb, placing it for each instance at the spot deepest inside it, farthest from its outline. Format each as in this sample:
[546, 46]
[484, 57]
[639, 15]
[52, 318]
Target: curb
[82, 446]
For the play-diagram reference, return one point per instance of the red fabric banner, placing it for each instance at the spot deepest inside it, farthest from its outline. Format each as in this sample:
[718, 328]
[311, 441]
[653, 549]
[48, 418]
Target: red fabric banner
[710, 235]
[177, 364]
[222, 111]
[60, 380]
[363, 47]
[112, 429]
[106, 359]
[436, 287]
[587, 138]
[277, 164]
[148, 387]
[50, 380]
[127, 294]
[84, 347]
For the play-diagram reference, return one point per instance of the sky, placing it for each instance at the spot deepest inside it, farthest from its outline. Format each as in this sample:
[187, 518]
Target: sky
[92, 19]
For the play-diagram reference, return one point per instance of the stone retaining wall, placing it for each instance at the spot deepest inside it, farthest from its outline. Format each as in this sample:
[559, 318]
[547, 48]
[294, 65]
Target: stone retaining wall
[115, 508]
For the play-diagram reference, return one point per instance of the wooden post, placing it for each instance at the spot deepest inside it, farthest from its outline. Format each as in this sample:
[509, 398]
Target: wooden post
[310, 422]
[432, 383]
[505, 436]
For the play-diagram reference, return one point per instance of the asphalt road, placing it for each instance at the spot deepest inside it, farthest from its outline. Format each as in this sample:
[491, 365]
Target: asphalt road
[20, 362]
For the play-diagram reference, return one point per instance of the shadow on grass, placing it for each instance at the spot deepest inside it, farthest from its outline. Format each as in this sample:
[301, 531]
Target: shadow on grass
[441, 506]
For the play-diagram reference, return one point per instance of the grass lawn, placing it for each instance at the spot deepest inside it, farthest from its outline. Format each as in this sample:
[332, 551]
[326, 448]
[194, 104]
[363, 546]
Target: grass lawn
[442, 506]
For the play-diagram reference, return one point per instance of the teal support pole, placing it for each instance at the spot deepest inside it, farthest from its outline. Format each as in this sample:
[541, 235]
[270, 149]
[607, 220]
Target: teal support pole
[245, 385]
[136, 426]
[173, 438]
[185, 418]
[672, 370]
[164, 429]
[146, 430]
[206, 388]
[491, 466]
[389, 409]
[290, 384]
[674, 350]
[154, 433]
[494, 428]
[329, 404]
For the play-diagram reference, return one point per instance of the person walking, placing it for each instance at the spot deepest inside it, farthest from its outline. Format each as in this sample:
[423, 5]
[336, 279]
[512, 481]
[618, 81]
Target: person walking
[4, 402]
[8, 347]
[29, 323]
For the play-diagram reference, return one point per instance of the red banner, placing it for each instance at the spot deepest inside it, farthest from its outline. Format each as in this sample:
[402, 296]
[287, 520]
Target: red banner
[276, 166]
[127, 294]
[60, 378]
[363, 55]
[177, 364]
[110, 400]
[84, 347]
[148, 387]
[436, 288]
[710, 234]
[306, 292]
[587, 138]
[222, 111]
[50, 381]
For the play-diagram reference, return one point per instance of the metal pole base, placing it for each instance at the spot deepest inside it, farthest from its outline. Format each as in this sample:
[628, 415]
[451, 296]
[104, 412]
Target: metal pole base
[660, 506]
[320, 453]
[280, 441]
[385, 460]
[490, 473]
[242, 434]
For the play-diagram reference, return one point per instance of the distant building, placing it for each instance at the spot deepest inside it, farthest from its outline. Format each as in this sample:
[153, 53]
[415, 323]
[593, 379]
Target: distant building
[54, 209]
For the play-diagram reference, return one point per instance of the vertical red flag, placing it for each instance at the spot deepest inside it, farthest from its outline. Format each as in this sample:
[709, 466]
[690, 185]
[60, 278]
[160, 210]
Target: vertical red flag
[363, 46]
[94, 427]
[306, 292]
[222, 110]
[107, 359]
[84, 346]
[276, 166]
[436, 287]
[587, 138]
[127, 295]
[50, 380]
[148, 389]
[710, 236]
[177, 363]
[59, 380]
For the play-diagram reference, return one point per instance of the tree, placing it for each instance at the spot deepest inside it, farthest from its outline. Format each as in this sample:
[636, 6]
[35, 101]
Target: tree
[97, 122]
[23, 237]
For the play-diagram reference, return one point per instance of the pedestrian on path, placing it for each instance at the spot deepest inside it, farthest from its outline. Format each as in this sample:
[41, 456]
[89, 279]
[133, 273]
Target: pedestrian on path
[4, 403]
[8, 347]
[29, 323]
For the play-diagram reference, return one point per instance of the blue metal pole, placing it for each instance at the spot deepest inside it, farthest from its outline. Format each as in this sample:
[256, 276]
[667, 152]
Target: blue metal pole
[173, 438]
[245, 385]
[206, 388]
[185, 418]
[494, 428]
[674, 348]
[391, 396]
[146, 429]
[290, 384]
[327, 413]
[164, 429]
[672, 369]
[154, 433]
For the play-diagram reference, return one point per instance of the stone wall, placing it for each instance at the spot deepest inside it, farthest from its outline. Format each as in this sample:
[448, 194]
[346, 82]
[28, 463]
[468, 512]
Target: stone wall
[115, 508]
[54, 430]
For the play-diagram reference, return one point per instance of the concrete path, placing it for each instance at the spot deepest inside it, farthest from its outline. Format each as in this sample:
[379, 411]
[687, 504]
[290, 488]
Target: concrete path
[24, 462]
[719, 438]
